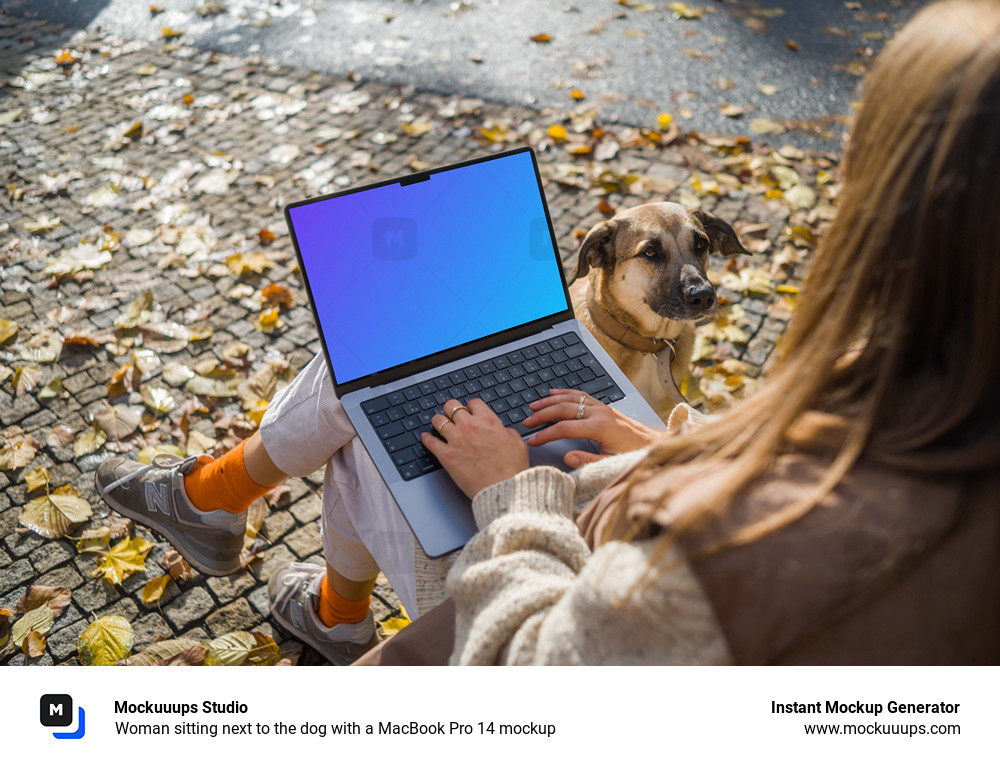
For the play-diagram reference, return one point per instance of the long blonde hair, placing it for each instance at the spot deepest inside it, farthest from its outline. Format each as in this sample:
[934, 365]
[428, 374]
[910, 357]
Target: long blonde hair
[892, 355]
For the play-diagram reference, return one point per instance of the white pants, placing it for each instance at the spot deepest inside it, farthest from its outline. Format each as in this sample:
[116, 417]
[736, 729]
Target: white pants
[364, 531]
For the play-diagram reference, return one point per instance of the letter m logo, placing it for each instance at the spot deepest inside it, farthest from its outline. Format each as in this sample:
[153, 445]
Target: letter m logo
[157, 498]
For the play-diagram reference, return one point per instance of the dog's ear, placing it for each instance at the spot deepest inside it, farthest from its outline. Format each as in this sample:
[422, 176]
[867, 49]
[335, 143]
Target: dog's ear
[596, 249]
[720, 234]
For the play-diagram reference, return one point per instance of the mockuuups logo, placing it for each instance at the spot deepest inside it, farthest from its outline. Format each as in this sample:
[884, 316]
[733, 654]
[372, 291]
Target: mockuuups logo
[57, 710]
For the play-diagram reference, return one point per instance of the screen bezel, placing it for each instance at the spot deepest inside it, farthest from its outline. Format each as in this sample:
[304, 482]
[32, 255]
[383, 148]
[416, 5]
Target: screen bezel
[456, 352]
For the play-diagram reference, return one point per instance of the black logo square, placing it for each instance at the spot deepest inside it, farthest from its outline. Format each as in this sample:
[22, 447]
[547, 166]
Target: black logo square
[56, 710]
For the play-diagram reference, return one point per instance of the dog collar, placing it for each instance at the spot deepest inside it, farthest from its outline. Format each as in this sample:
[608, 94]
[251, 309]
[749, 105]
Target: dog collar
[622, 333]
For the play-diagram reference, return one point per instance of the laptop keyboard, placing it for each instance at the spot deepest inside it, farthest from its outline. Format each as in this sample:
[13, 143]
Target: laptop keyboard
[507, 383]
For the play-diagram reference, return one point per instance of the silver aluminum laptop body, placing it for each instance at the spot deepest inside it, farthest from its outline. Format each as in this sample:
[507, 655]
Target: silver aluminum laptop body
[439, 514]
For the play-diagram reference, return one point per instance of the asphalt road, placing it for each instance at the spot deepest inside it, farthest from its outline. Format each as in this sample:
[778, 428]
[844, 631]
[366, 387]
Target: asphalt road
[722, 72]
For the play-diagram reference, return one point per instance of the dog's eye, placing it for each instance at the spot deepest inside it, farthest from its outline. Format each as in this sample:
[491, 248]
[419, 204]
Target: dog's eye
[700, 243]
[649, 252]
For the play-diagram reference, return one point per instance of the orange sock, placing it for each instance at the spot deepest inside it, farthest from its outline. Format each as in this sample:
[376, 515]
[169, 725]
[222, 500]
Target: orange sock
[223, 483]
[334, 609]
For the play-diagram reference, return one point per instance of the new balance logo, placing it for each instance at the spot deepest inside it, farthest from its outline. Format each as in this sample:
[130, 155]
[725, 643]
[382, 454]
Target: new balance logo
[158, 498]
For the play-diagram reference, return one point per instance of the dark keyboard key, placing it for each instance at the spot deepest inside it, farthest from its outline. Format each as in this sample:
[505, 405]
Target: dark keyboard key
[395, 413]
[545, 375]
[412, 408]
[501, 362]
[503, 376]
[530, 353]
[515, 400]
[532, 380]
[489, 381]
[409, 471]
[396, 398]
[457, 377]
[517, 371]
[411, 393]
[585, 374]
[441, 397]
[570, 338]
[405, 439]
[488, 395]
[378, 419]
[487, 367]
[557, 343]
[427, 403]
[472, 373]
[404, 455]
[390, 429]
[596, 385]
[518, 385]
[545, 360]
[559, 356]
[515, 357]
[427, 387]
[442, 383]
[531, 366]
[573, 351]
[572, 380]
[544, 347]
[375, 405]
[542, 391]
[499, 406]
[503, 390]
[615, 395]
[426, 417]
[411, 423]
[561, 370]
[427, 464]
[574, 365]
[457, 392]
[473, 386]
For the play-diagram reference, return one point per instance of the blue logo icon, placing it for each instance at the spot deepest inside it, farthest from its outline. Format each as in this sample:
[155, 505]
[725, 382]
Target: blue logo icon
[57, 710]
[394, 239]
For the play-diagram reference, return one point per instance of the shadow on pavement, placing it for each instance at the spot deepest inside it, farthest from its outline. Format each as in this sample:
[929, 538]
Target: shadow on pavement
[42, 26]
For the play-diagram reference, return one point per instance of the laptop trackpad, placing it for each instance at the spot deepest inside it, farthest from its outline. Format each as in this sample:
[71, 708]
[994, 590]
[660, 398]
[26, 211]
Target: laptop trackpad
[553, 453]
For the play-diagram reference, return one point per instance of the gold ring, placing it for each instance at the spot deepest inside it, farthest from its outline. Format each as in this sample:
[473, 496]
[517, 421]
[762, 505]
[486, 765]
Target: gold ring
[440, 428]
[580, 407]
[451, 415]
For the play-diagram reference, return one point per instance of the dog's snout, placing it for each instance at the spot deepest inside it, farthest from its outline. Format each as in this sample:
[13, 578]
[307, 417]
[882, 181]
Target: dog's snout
[700, 296]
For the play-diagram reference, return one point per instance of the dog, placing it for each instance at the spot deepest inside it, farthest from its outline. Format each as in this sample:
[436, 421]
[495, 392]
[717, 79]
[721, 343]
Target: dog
[640, 287]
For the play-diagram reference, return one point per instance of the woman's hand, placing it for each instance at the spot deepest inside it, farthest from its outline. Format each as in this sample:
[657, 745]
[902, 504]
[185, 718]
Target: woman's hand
[614, 433]
[475, 448]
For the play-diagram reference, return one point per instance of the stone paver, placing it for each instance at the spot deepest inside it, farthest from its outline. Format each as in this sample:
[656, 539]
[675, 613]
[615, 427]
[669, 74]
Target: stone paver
[132, 166]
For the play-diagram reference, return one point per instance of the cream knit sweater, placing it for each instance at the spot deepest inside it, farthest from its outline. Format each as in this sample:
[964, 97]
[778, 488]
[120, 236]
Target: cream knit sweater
[528, 589]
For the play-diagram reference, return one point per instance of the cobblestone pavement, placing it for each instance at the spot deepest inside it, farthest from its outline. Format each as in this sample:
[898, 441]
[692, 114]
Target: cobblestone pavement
[133, 167]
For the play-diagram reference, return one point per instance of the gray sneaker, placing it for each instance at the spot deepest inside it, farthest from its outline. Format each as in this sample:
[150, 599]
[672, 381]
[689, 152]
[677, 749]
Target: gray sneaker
[153, 495]
[293, 591]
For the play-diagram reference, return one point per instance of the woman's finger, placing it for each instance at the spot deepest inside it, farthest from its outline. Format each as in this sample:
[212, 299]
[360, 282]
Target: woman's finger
[557, 411]
[575, 458]
[565, 429]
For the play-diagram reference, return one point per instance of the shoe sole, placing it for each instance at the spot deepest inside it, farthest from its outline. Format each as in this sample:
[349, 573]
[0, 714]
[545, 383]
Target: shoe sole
[190, 556]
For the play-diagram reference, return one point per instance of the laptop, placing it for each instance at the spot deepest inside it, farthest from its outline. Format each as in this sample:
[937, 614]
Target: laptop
[446, 284]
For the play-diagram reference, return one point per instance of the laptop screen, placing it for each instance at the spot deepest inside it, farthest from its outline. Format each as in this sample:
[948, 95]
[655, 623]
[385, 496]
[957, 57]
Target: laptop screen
[400, 272]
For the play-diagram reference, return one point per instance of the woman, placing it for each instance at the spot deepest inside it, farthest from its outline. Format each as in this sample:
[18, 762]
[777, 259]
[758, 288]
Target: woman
[847, 512]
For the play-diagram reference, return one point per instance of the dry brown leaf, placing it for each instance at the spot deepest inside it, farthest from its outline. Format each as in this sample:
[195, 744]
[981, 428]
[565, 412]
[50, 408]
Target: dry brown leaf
[33, 644]
[275, 294]
[178, 568]
[54, 514]
[56, 596]
[36, 477]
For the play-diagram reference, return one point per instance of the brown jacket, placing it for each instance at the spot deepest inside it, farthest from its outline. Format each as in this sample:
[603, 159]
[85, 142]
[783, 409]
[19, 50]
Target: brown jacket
[888, 569]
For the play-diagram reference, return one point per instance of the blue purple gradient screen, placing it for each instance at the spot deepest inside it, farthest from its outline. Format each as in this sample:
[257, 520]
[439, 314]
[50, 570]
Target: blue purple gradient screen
[401, 272]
